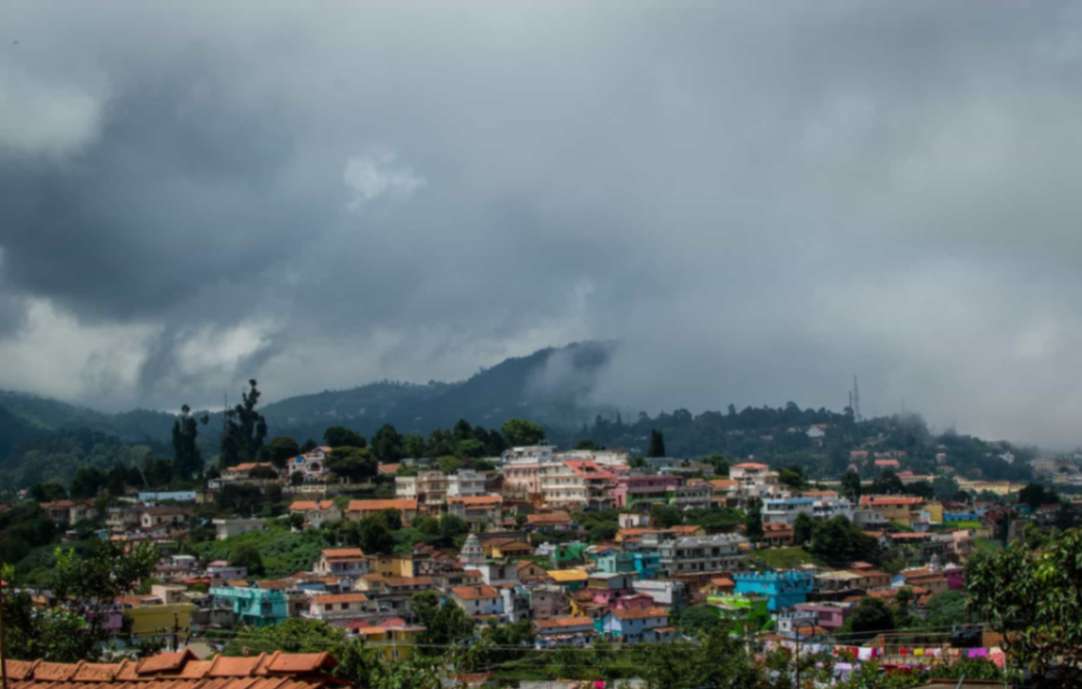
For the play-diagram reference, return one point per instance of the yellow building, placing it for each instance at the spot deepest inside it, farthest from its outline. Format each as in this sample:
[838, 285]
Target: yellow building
[392, 566]
[394, 643]
[157, 619]
[935, 513]
[899, 509]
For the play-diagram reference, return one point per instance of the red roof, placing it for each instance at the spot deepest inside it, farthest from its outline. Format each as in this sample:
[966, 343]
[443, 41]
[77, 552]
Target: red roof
[178, 670]
[542, 518]
[342, 553]
[310, 505]
[754, 466]
[889, 500]
[475, 500]
[474, 592]
[400, 504]
[564, 622]
[340, 598]
[641, 613]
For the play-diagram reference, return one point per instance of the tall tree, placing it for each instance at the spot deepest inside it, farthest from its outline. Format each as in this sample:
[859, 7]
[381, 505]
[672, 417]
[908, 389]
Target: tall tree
[803, 527]
[753, 522]
[187, 459]
[282, 449]
[851, 487]
[387, 444]
[340, 436]
[657, 444]
[1033, 596]
[245, 428]
[522, 432]
[870, 617]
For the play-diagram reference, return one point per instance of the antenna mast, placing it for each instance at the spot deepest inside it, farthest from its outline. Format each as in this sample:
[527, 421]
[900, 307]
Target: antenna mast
[854, 400]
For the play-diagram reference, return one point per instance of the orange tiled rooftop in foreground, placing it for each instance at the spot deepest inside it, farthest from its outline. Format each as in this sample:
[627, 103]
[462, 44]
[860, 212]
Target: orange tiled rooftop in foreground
[179, 670]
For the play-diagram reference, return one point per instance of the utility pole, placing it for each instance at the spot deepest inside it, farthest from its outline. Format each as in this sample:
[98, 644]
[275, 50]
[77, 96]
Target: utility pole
[796, 655]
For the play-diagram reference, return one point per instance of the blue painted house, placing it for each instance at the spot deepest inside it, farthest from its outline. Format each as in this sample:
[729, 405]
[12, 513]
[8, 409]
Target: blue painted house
[253, 606]
[781, 589]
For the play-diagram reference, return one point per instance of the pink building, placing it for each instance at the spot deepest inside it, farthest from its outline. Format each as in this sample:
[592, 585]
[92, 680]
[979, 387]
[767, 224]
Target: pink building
[633, 488]
[829, 615]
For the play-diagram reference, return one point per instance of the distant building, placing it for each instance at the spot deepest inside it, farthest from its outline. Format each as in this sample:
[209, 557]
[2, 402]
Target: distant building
[701, 554]
[235, 526]
[348, 564]
[781, 589]
[253, 606]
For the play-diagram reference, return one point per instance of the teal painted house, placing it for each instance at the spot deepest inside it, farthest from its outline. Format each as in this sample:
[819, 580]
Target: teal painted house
[781, 589]
[253, 606]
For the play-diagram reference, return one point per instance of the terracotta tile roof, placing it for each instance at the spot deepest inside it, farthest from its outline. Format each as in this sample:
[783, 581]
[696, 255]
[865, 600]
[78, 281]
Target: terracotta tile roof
[474, 592]
[401, 504]
[754, 466]
[475, 500]
[641, 613]
[165, 662]
[342, 553]
[890, 500]
[563, 622]
[557, 517]
[340, 598]
[179, 670]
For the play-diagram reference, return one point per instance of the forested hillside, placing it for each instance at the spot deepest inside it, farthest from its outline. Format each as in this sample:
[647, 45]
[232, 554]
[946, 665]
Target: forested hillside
[41, 438]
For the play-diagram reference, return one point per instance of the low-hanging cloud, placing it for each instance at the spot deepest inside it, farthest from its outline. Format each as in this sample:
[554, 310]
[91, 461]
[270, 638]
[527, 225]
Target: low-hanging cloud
[379, 174]
[757, 200]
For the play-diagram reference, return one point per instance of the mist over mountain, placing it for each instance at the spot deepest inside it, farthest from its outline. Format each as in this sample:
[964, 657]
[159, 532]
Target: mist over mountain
[44, 438]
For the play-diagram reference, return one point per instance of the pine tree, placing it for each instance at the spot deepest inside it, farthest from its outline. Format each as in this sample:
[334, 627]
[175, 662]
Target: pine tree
[657, 444]
[187, 459]
[245, 429]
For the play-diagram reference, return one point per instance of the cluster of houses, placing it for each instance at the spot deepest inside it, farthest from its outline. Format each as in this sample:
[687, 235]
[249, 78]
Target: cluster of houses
[525, 557]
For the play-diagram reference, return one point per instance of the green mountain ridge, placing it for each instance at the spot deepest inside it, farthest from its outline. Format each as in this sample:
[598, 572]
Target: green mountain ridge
[42, 438]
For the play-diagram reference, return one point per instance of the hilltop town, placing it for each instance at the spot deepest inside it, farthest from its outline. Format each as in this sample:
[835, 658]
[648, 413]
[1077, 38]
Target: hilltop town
[533, 550]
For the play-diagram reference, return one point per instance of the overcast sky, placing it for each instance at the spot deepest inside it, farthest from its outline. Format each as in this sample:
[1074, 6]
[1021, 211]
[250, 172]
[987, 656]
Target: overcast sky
[758, 200]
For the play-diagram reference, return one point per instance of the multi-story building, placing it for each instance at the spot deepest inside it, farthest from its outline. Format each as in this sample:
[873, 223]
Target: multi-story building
[701, 554]
[316, 513]
[427, 488]
[552, 632]
[253, 606]
[637, 625]
[898, 509]
[347, 564]
[828, 614]
[338, 607]
[478, 511]
[406, 508]
[577, 484]
[529, 453]
[694, 494]
[478, 601]
[754, 480]
[781, 589]
[522, 478]
[312, 465]
[466, 483]
[632, 489]
[785, 510]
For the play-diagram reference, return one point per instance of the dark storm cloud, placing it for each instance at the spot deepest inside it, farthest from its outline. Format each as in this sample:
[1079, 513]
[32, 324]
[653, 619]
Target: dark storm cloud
[757, 199]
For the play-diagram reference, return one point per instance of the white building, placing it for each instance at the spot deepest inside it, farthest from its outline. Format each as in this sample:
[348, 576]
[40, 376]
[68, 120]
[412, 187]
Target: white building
[338, 607]
[754, 480]
[478, 601]
[466, 483]
[785, 510]
[700, 554]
